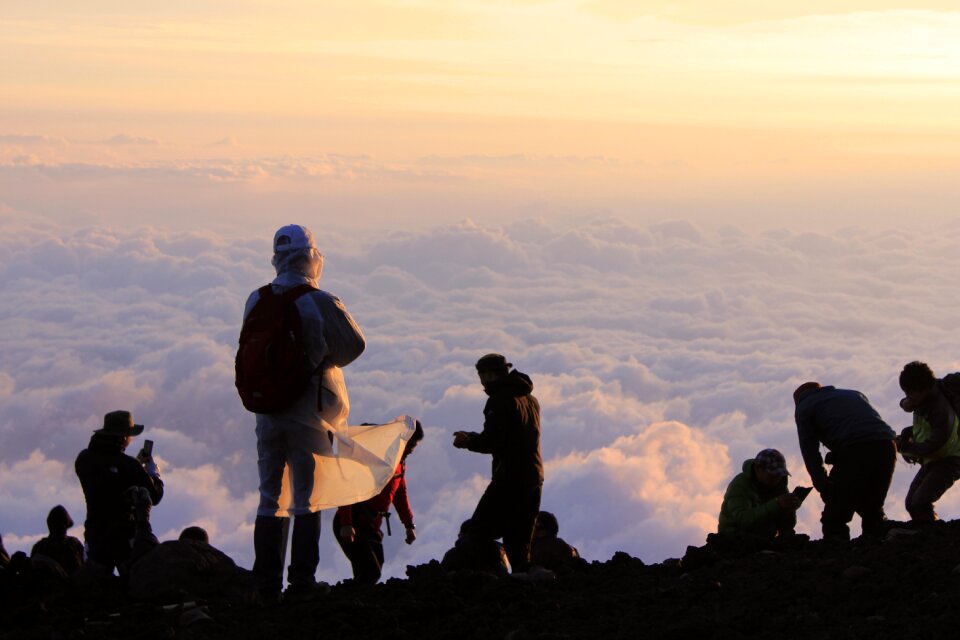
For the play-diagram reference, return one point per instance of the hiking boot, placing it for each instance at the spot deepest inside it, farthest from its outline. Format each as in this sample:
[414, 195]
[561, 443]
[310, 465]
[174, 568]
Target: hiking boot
[269, 598]
[298, 593]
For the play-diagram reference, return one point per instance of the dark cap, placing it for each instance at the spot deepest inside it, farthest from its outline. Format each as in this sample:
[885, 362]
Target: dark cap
[120, 423]
[772, 461]
[493, 362]
[804, 390]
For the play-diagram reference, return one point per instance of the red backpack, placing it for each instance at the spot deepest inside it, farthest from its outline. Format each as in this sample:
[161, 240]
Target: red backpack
[272, 366]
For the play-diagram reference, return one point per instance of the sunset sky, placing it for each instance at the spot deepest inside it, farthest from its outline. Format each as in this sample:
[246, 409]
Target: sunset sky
[669, 214]
[843, 109]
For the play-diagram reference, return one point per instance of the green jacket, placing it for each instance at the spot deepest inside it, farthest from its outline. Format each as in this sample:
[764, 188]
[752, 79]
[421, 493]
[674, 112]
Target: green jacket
[750, 508]
[934, 430]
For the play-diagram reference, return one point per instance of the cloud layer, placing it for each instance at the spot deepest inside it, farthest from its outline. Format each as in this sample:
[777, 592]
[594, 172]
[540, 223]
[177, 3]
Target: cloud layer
[663, 356]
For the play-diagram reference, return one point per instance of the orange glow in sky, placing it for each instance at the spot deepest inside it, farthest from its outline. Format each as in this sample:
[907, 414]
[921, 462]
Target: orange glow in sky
[602, 98]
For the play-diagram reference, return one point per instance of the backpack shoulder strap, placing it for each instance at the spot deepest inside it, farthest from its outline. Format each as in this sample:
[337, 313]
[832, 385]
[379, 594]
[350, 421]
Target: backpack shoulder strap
[292, 294]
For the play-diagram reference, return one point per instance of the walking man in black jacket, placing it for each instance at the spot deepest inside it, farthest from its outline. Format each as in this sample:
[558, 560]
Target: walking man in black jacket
[105, 473]
[511, 433]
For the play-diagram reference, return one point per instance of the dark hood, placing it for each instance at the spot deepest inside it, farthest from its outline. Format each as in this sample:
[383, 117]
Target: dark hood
[514, 384]
[107, 443]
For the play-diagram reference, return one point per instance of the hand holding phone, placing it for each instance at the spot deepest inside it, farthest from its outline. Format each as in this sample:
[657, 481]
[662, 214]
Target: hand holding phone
[801, 493]
[146, 453]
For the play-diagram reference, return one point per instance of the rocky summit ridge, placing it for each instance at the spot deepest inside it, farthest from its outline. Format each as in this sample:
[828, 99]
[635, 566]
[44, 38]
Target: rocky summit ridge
[905, 586]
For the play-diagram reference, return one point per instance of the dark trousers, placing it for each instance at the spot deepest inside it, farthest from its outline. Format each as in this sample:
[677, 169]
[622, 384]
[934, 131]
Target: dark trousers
[270, 549]
[931, 482]
[858, 483]
[109, 544]
[509, 512]
[365, 553]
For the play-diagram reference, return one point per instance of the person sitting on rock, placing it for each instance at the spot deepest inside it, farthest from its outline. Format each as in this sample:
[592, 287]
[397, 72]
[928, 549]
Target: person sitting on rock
[474, 551]
[195, 534]
[757, 506]
[65, 550]
[932, 440]
[548, 550]
[188, 567]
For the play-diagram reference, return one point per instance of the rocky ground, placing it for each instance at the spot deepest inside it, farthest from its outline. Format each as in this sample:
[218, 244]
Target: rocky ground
[907, 586]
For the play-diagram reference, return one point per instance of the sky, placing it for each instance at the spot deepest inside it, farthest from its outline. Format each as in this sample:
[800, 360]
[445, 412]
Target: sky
[669, 214]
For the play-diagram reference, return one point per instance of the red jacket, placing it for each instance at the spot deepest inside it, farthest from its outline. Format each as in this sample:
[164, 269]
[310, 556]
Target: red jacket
[370, 512]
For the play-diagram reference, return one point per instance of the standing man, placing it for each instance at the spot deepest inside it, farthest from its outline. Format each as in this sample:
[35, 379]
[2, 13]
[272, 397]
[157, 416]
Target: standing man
[294, 341]
[106, 472]
[511, 433]
[932, 440]
[861, 450]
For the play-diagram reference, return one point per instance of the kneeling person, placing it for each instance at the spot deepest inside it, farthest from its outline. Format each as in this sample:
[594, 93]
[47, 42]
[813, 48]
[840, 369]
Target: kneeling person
[757, 504]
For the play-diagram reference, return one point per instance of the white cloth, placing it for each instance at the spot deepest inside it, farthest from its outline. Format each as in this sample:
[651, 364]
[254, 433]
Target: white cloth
[302, 472]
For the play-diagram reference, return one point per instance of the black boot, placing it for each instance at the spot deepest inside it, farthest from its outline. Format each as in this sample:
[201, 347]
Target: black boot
[305, 549]
[304, 558]
[270, 549]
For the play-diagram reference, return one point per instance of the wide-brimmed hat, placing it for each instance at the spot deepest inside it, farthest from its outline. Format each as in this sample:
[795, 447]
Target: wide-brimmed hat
[120, 423]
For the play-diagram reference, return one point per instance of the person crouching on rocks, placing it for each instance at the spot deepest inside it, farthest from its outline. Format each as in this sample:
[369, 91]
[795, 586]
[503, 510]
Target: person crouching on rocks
[757, 507]
[357, 526]
[548, 550]
[932, 440]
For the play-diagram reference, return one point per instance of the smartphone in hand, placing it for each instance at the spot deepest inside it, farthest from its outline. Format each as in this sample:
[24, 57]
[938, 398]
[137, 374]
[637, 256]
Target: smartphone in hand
[147, 450]
[800, 493]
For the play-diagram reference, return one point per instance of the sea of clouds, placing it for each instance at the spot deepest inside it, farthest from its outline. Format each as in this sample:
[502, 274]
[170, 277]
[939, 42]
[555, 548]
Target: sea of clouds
[663, 356]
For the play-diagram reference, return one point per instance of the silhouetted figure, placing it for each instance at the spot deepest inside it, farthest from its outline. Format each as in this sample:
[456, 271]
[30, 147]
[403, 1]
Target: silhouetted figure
[861, 450]
[4, 556]
[290, 437]
[932, 440]
[144, 540]
[474, 551]
[757, 503]
[196, 534]
[511, 433]
[105, 473]
[548, 550]
[186, 568]
[65, 550]
[357, 526]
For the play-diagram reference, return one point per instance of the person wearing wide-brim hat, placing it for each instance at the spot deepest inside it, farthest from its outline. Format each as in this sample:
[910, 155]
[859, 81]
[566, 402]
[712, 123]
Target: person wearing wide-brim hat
[106, 472]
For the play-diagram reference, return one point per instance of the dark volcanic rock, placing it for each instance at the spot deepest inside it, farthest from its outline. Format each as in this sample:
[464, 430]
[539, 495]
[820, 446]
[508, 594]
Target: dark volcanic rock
[904, 588]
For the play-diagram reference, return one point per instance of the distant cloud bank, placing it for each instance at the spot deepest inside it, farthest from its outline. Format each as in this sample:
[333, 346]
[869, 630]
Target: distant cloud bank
[663, 356]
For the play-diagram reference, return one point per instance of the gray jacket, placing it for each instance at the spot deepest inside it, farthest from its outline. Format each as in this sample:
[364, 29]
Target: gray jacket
[333, 341]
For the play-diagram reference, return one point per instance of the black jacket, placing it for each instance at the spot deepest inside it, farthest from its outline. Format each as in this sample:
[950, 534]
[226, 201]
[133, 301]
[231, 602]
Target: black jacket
[105, 472]
[511, 431]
